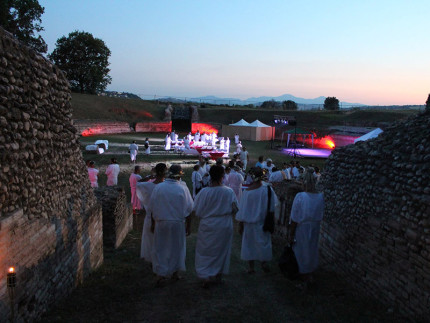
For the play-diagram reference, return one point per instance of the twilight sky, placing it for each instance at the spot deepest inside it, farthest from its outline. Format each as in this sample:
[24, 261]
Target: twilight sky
[366, 51]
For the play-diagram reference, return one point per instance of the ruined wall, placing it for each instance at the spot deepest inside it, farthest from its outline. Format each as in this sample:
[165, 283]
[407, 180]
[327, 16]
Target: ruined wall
[117, 215]
[50, 221]
[165, 126]
[94, 127]
[376, 228]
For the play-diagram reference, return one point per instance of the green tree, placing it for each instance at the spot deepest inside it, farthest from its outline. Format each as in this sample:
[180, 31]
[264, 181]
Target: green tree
[85, 60]
[289, 105]
[428, 105]
[22, 18]
[272, 104]
[331, 103]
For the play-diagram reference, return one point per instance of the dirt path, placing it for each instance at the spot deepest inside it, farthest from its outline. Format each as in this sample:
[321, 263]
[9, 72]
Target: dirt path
[123, 290]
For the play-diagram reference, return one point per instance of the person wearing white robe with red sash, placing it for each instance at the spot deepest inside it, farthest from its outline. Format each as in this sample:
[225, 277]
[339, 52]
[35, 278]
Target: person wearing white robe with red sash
[215, 206]
[144, 192]
[253, 207]
[171, 204]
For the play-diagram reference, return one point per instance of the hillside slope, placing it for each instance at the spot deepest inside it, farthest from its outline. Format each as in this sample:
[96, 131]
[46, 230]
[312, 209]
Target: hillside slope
[95, 107]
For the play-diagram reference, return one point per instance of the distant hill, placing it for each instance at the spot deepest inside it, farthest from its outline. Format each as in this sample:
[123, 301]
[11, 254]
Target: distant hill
[258, 100]
[123, 95]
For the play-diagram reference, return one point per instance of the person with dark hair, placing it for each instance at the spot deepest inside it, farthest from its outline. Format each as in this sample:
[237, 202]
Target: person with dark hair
[92, 174]
[306, 215]
[147, 147]
[134, 178]
[144, 191]
[215, 206]
[170, 205]
[253, 207]
[112, 172]
[235, 181]
[244, 157]
[132, 149]
[260, 162]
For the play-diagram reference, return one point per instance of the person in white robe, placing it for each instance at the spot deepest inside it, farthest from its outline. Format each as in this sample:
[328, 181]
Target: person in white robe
[227, 145]
[215, 206]
[197, 180]
[214, 139]
[280, 175]
[222, 144]
[167, 143]
[236, 139]
[203, 137]
[92, 174]
[238, 147]
[176, 138]
[190, 137]
[186, 142]
[173, 135]
[244, 157]
[269, 166]
[197, 136]
[147, 147]
[134, 178]
[204, 170]
[235, 181]
[306, 215]
[253, 207]
[144, 192]
[133, 148]
[112, 172]
[170, 205]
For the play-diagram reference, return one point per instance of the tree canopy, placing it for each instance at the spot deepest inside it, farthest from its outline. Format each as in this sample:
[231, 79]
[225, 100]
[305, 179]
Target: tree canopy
[22, 18]
[331, 103]
[289, 105]
[85, 60]
[272, 104]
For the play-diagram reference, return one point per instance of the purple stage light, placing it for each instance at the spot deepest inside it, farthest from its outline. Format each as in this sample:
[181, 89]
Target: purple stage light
[306, 152]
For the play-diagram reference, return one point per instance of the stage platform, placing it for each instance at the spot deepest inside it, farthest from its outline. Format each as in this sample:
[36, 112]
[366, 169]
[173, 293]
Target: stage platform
[308, 152]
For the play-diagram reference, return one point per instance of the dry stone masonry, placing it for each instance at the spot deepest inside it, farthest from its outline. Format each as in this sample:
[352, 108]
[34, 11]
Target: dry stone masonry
[117, 215]
[376, 227]
[50, 221]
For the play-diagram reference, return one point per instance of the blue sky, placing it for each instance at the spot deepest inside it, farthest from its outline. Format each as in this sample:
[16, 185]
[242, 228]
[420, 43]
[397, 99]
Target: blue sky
[372, 52]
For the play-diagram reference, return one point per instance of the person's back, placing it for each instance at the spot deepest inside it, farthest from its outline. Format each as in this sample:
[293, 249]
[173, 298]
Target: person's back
[92, 174]
[310, 207]
[112, 172]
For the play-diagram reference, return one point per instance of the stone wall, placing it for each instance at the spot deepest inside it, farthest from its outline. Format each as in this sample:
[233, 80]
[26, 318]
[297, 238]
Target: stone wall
[165, 126]
[117, 215]
[94, 127]
[376, 227]
[50, 221]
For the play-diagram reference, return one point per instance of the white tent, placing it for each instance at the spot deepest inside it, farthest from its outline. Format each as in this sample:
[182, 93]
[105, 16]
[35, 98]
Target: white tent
[258, 123]
[370, 135]
[241, 123]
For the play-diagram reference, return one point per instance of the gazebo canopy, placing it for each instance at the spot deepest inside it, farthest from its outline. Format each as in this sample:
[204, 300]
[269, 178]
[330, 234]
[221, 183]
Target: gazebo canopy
[258, 123]
[370, 135]
[241, 122]
[297, 131]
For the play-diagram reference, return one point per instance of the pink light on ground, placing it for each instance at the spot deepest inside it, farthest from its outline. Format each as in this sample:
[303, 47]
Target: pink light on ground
[203, 127]
[91, 132]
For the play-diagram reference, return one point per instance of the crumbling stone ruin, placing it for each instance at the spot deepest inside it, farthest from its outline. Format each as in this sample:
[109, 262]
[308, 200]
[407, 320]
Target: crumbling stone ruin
[117, 215]
[50, 221]
[376, 227]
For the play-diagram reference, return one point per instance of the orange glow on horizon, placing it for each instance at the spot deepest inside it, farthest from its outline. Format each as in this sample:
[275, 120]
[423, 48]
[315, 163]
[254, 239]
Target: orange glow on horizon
[203, 127]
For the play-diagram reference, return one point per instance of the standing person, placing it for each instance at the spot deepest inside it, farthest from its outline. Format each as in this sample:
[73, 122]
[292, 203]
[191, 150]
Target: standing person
[238, 147]
[186, 142]
[190, 137]
[147, 147]
[244, 157]
[144, 191]
[280, 175]
[215, 206]
[132, 149]
[167, 142]
[170, 205]
[92, 174]
[112, 172]
[222, 144]
[197, 180]
[253, 207]
[306, 215]
[197, 136]
[269, 166]
[214, 138]
[235, 181]
[236, 139]
[227, 145]
[134, 178]
[260, 162]
[203, 137]
[204, 169]
[173, 135]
